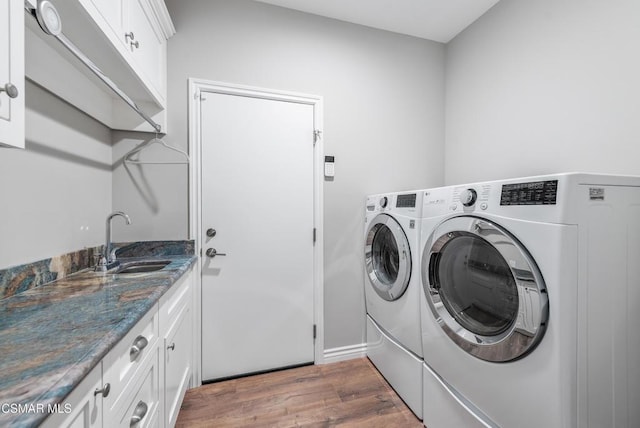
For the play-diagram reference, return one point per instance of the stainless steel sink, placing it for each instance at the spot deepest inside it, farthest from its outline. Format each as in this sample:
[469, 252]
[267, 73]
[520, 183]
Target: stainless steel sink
[142, 266]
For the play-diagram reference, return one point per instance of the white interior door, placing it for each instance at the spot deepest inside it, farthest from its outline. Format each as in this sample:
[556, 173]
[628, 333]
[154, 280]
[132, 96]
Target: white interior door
[257, 194]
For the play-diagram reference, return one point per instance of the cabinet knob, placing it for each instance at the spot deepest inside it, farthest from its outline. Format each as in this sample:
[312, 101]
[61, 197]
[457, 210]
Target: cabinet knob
[139, 344]
[128, 36]
[139, 413]
[172, 346]
[135, 44]
[104, 390]
[10, 89]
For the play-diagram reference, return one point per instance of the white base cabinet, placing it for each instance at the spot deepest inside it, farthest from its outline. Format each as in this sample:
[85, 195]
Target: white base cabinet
[176, 322]
[83, 407]
[131, 368]
[141, 382]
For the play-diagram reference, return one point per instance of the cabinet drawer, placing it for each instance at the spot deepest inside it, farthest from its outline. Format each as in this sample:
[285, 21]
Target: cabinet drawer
[123, 364]
[143, 405]
[171, 304]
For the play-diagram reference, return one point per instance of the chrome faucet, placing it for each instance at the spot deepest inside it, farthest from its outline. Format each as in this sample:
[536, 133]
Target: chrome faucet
[108, 259]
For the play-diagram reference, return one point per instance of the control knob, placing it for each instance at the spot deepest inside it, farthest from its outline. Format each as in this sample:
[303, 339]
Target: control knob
[468, 197]
[384, 201]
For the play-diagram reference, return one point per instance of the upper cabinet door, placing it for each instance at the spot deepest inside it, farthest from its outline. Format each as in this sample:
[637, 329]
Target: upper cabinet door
[12, 73]
[135, 29]
[113, 13]
[148, 43]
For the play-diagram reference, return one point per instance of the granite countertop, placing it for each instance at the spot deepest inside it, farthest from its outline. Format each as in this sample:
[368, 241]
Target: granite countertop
[52, 336]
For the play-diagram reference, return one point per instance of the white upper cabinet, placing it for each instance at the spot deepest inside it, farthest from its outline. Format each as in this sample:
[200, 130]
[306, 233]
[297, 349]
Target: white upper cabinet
[127, 41]
[136, 30]
[12, 73]
[147, 43]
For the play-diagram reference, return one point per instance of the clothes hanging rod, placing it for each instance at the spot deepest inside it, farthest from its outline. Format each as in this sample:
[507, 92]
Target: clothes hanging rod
[50, 22]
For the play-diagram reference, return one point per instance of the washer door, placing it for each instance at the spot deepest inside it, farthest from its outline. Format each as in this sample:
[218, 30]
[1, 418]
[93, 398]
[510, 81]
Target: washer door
[484, 289]
[387, 257]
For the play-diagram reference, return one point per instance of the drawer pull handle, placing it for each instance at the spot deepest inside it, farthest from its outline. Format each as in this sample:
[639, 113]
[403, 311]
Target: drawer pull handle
[139, 344]
[172, 346]
[139, 413]
[104, 390]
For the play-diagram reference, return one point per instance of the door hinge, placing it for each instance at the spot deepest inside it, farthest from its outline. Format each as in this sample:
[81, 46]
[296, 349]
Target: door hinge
[315, 330]
[314, 235]
[317, 134]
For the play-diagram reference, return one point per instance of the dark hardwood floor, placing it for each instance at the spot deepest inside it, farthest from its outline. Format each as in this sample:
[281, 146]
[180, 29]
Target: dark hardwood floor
[347, 394]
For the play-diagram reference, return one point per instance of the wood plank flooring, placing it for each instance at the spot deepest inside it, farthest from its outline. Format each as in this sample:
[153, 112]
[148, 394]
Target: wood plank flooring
[345, 394]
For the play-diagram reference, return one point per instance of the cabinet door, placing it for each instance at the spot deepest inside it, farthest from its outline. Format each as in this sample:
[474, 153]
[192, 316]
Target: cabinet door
[113, 13]
[178, 351]
[12, 73]
[149, 44]
[83, 407]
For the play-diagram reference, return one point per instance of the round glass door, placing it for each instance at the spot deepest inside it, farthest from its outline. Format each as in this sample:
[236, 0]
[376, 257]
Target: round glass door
[484, 289]
[387, 257]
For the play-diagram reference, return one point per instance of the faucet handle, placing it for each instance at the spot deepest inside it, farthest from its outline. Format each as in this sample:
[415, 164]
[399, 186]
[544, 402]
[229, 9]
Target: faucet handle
[100, 263]
[96, 259]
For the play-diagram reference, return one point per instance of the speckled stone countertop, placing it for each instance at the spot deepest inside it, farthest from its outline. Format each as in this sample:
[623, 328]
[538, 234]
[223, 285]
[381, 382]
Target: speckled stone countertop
[52, 336]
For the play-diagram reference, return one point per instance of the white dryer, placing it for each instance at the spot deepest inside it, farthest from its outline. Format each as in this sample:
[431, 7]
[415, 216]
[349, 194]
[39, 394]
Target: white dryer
[392, 291]
[530, 299]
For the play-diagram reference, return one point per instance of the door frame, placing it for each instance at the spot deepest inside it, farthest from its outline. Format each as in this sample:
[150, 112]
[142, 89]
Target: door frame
[195, 91]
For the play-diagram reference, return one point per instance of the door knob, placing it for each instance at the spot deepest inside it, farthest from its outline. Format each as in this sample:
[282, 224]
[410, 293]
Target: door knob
[212, 252]
[211, 232]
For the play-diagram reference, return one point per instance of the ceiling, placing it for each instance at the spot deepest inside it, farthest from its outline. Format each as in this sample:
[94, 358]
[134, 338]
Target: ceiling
[439, 20]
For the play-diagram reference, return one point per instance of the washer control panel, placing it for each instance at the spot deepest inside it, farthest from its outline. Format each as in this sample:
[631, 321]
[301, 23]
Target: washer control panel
[468, 197]
[532, 193]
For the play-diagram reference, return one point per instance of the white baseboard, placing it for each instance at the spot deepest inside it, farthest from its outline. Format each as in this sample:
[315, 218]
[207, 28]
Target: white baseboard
[344, 353]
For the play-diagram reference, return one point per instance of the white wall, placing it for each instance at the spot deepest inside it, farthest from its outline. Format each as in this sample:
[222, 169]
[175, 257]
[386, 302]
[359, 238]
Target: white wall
[544, 86]
[155, 197]
[56, 193]
[383, 96]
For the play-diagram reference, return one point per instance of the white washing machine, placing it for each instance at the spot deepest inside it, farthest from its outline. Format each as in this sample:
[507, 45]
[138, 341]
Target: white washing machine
[392, 291]
[531, 290]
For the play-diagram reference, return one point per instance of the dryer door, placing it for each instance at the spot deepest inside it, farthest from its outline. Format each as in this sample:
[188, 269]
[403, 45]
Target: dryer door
[484, 289]
[387, 257]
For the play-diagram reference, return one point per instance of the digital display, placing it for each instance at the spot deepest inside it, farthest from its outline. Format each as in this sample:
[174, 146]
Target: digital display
[406, 201]
[535, 193]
